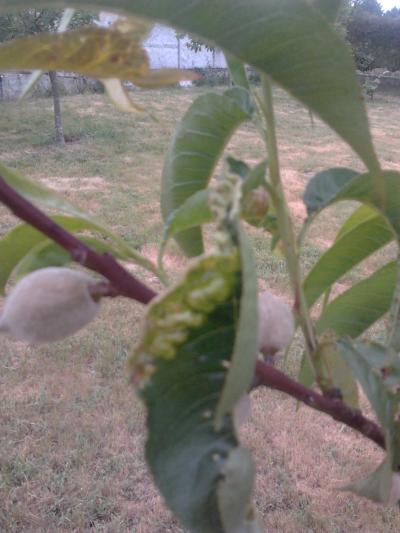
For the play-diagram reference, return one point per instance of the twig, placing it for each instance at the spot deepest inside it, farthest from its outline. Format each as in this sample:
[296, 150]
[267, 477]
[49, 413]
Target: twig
[124, 284]
[272, 378]
[121, 280]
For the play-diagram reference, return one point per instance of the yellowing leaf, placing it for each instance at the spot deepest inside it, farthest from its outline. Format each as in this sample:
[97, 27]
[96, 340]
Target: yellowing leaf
[103, 53]
[95, 52]
[120, 96]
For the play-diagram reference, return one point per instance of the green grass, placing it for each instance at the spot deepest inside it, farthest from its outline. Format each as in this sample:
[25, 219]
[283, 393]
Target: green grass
[72, 429]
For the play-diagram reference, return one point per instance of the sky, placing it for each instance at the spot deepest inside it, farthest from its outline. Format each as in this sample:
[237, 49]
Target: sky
[388, 4]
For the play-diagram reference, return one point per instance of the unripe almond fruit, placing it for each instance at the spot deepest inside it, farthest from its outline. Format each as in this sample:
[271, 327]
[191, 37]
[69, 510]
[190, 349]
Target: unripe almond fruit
[276, 325]
[49, 305]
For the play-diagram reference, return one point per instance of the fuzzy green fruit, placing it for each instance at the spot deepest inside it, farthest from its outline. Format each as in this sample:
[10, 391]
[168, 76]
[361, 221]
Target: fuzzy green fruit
[49, 305]
[276, 325]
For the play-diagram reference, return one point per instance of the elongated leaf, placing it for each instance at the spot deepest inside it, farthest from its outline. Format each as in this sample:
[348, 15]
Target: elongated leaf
[183, 363]
[19, 241]
[290, 40]
[38, 194]
[120, 96]
[192, 213]
[375, 487]
[334, 372]
[48, 253]
[359, 216]
[358, 308]
[335, 185]
[237, 72]
[96, 52]
[377, 368]
[347, 252]
[325, 187]
[37, 74]
[245, 350]
[199, 142]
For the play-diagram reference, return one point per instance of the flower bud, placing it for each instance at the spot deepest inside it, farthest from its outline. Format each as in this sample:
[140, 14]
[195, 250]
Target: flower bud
[276, 325]
[49, 305]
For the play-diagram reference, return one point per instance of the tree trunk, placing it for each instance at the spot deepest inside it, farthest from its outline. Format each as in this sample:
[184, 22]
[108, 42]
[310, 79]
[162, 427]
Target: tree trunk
[60, 139]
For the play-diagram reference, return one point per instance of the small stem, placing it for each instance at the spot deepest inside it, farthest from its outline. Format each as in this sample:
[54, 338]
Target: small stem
[123, 282]
[272, 378]
[285, 224]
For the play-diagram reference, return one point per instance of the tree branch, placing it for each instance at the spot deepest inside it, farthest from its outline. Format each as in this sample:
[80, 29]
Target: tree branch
[272, 378]
[123, 283]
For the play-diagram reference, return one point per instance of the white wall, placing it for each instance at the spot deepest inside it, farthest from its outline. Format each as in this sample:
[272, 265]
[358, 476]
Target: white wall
[165, 50]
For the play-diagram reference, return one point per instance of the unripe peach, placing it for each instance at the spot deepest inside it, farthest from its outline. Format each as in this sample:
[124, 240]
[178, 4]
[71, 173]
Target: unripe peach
[276, 325]
[49, 305]
[255, 206]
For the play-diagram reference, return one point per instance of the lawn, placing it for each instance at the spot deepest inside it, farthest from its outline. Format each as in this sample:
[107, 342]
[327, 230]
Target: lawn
[72, 430]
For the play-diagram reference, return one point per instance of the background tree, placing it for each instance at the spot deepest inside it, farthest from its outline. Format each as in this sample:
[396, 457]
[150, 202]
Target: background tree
[371, 7]
[393, 13]
[32, 21]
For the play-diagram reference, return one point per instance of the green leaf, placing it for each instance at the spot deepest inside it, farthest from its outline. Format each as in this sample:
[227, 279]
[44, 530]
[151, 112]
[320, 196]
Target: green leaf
[245, 351]
[237, 71]
[255, 178]
[325, 188]
[189, 371]
[198, 144]
[234, 490]
[360, 215]
[358, 308]
[195, 210]
[42, 196]
[377, 368]
[306, 373]
[375, 487]
[19, 241]
[39, 194]
[192, 213]
[48, 253]
[289, 40]
[335, 185]
[334, 372]
[349, 250]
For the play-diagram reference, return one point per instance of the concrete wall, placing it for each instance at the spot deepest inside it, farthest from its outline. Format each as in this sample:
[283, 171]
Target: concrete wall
[167, 51]
[12, 83]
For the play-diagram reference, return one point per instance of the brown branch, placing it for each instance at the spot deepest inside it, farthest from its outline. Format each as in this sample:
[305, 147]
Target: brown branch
[272, 378]
[124, 284]
[122, 281]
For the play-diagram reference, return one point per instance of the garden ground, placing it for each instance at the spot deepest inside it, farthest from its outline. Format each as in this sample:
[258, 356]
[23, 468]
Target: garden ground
[72, 430]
